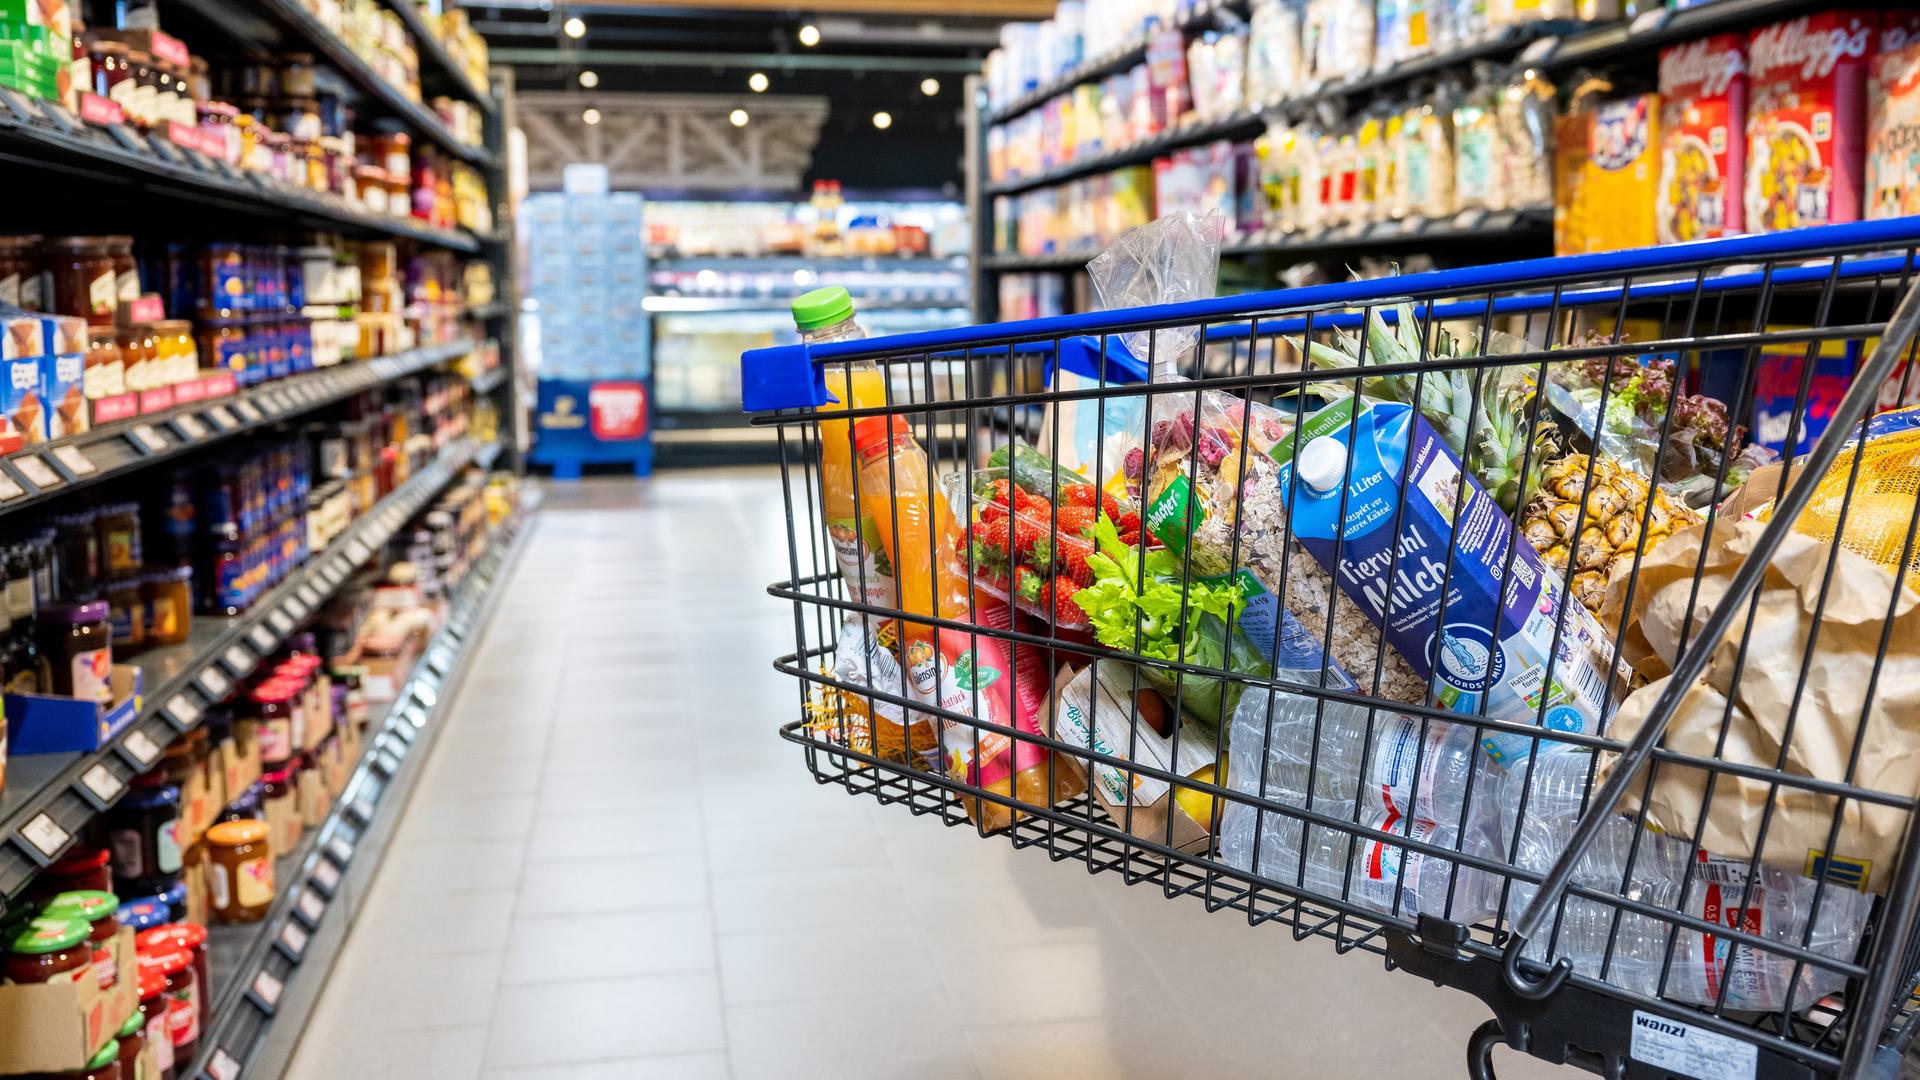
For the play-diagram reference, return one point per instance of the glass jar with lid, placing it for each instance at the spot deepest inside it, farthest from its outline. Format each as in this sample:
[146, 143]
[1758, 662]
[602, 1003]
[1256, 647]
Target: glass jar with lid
[166, 94]
[167, 594]
[105, 373]
[144, 89]
[77, 641]
[296, 75]
[99, 910]
[44, 950]
[126, 613]
[126, 271]
[81, 868]
[181, 995]
[239, 871]
[153, 1011]
[139, 353]
[140, 832]
[76, 554]
[83, 277]
[273, 709]
[107, 65]
[118, 525]
[20, 272]
[133, 1042]
[179, 358]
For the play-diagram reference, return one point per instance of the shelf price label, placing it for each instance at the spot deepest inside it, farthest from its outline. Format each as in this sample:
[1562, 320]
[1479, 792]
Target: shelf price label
[147, 439]
[45, 834]
[358, 552]
[183, 712]
[75, 459]
[238, 660]
[10, 488]
[295, 608]
[141, 748]
[282, 622]
[222, 417]
[37, 471]
[340, 850]
[103, 784]
[292, 941]
[310, 907]
[362, 808]
[265, 991]
[308, 595]
[326, 878]
[214, 684]
[261, 638]
[222, 1065]
[248, 411]
[190, 427]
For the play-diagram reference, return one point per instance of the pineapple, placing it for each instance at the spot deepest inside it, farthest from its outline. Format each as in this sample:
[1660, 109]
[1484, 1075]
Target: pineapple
[1608, 534]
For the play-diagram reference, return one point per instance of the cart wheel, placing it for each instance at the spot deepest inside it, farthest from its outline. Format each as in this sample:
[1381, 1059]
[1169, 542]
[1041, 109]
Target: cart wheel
[1480, 1049]
[1523, 984]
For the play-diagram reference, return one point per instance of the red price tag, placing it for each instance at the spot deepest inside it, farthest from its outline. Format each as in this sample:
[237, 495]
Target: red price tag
[152, 401]
[619, 410]
[95, 109]
[220, 385]
[146, 308]
[186, 392]
[180, 134]
[169, 48]
[107, 410]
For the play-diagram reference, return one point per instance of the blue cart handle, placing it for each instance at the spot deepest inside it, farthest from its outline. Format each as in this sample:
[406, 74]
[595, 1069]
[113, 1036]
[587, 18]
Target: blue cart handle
[793, 376]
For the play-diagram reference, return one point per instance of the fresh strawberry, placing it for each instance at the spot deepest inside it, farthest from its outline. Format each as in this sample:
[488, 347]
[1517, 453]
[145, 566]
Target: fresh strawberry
[1032, 505]
[1042, 554]
[1109, 506]
[993, 511]
[1077, 495]
[1075, 520]
[1066, 611]
[993, 536]
[1126, 523]
[1130, 538]
[1074, 553]
[997, 491]
[1026, 534]
[1029, 586]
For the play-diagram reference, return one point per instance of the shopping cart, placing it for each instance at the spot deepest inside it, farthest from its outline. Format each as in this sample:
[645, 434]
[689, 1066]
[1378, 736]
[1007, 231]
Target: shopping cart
[1623, 759]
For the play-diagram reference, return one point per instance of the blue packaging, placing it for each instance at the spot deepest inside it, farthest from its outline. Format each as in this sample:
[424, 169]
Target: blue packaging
[1496, 642]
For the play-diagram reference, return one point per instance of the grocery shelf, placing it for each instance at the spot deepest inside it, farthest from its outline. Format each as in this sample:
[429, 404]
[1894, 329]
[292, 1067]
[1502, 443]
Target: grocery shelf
[1504, 226]
[669, 305]
[1242, 123]
[50, 797]
[43, 136]
[242, 21]
[434, 53]
[490, 380]
[47, 470]
[1652, 29]
[267, 974]
[783, 263]
[1111, 62]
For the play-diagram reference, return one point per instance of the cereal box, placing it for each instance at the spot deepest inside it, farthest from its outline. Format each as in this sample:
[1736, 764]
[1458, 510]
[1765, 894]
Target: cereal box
[1621, 175]
[1806, 126]
[1703, 145]
[1893, 120]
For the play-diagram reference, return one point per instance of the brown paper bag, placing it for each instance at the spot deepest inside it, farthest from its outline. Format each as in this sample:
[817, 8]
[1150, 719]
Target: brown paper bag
[1764, 691]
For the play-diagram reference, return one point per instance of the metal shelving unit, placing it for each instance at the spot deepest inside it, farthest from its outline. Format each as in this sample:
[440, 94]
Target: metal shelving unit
[435, 54]
[272, 970]
[50, 797]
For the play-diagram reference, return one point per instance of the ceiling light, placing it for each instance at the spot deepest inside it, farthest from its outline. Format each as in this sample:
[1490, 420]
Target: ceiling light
[738, 118]
[809, 35]
[803, 277]
[589, 79]
[883, 120]
[757, 82]
[591, 116]
[929, 87]
[575, 28]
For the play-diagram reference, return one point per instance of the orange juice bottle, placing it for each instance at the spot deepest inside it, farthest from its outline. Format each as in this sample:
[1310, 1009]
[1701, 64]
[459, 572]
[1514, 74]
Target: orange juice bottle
[913, 524]
[825, 315]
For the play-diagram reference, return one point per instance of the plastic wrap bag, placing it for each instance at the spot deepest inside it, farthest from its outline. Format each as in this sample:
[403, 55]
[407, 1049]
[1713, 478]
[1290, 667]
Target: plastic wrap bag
[1169, 260]
[1526, 114]
[1275, 68]
[1426, 158]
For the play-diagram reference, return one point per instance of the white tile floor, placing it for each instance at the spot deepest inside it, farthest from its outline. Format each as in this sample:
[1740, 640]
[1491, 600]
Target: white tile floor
[613, 867]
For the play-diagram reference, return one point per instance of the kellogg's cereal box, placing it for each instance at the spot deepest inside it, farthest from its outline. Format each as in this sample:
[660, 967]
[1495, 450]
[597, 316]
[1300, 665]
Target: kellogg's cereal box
[1806, 127]
[1621, 175]
[1703, 143]
[1893, 120]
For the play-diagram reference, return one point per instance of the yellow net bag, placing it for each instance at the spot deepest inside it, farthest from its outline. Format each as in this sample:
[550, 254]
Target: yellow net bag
[1885, 492]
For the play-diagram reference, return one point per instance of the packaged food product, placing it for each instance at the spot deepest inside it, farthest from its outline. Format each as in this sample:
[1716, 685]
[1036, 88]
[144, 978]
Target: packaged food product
[44, 950]
[1704, 150]
[1526, 112]
[1621, 175]
[1426, 165]
[1338, 38]
[239, 871]
[78, 642]
[1806, 124]
[1110, 709]
[1028, 542]
[1478, 179]
[1275, 68]
[1893, 120]
[96, 909]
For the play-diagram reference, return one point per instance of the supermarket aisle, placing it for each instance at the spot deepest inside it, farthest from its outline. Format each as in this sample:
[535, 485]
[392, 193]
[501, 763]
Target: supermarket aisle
[614, 868]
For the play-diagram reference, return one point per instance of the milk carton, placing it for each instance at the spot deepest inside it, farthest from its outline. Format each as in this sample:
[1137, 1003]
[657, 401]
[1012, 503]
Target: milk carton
[1413, 520]
[1806, 130]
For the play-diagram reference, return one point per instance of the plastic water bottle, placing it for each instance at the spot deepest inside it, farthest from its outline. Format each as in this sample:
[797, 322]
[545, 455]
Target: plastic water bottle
[1284, 756]
[1777, 908]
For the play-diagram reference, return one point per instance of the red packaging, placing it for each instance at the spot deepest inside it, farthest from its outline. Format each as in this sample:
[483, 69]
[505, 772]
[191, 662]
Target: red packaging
[1807, 124]
[1893, 120]
[1703, 145]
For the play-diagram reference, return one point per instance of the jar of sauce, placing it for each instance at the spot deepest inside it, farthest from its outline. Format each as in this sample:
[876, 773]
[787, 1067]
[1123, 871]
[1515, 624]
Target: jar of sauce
[83, 278]
[119, 528]
[278, 799]
[139, 352]
[296, 75]
[166, 94]
[167, 596]
[273, 714]
[112, 72]
[126, 613]
[245, 806]
[178, 357]
[105, 373]
[139, 915]
[153, 1013]
[81, 868]
[180, 995]
[141, 829]
[98, 911]
[239, 871]
[104, 1066]
[45, 950]
[190, 938]
[20, 272]
[126, 272]
[133, 1040]
[77, 641]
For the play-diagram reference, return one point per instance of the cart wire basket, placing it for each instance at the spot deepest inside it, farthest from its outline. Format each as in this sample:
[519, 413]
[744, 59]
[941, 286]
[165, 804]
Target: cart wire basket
[1549, 629]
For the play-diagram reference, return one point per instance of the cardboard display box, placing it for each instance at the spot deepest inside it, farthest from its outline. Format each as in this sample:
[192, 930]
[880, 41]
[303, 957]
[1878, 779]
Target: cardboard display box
[45, 724]
[58, 1027]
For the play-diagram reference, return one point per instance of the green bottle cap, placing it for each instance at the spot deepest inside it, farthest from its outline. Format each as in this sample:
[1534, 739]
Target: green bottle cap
[106, 1055]
[822, 307]
[136, 1020]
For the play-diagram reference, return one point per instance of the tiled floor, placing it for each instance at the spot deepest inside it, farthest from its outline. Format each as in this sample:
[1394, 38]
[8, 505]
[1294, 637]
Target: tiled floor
[613, 867]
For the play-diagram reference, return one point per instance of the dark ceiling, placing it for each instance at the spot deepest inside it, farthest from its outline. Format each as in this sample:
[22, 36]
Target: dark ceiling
[861, 65]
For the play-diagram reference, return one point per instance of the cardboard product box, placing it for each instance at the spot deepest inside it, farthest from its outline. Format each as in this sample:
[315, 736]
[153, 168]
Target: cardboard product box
[1893, 119]
[1703, 146]
[1571, 134]
[45, 724]
[1095, 710]
[313, 798]
[240, 759]
[1806, 128]
[284, 826]
[58, 1027]
[1621, 175]
[193, 874]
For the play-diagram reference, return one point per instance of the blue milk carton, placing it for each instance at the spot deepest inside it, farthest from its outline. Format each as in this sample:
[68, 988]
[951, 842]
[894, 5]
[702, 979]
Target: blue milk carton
[1496, 641]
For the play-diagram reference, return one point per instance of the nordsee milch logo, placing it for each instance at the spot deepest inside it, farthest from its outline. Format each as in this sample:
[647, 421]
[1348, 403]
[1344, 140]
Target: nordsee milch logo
[972, 675]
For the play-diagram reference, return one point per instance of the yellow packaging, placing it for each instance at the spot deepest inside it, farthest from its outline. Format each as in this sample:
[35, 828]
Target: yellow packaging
[1621, 176]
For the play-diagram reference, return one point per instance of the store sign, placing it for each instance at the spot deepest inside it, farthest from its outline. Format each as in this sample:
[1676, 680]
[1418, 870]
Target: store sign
[619, 410]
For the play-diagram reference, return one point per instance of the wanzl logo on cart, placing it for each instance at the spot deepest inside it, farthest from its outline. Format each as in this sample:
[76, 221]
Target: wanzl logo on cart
[1787, 44]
